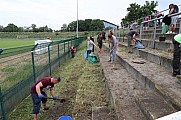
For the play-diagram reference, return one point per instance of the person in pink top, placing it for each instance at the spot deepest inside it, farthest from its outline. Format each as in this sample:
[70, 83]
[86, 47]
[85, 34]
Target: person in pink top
[146, 25]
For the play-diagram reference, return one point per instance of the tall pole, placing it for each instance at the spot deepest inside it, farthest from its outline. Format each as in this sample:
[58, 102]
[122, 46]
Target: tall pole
[77, 21]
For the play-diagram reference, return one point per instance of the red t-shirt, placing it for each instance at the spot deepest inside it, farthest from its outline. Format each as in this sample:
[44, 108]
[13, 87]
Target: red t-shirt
[46, 81]
[72, 48]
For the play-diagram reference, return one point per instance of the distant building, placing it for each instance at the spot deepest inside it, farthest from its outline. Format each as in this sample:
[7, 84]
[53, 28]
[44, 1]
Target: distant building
[108, 24]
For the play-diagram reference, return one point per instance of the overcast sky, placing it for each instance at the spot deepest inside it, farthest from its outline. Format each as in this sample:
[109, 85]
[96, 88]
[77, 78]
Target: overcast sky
[55, 13]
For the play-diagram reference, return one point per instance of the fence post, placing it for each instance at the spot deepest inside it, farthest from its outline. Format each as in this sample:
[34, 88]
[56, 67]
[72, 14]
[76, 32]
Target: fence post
[154, 35]
[2, 106]
[71, 43]
[68, 46]
[141, 28]
[49, 59]
[123, 34]
[64, 47]
[180, 27]
[33, 62]
[59, 53]
[33, 65]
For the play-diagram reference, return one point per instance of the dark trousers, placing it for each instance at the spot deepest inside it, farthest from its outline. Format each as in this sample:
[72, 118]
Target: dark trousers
[176, 59]
[88, 52]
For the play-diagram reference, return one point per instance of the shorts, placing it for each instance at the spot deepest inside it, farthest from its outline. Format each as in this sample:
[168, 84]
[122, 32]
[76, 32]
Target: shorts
[129, 41]
[37, 102]
[174, 20]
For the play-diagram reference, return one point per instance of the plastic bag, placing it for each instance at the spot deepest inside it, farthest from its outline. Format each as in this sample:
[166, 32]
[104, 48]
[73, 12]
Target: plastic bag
[139, 45]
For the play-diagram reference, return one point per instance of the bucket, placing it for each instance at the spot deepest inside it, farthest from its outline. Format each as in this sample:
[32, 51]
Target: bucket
[65, 118]
[162, 38]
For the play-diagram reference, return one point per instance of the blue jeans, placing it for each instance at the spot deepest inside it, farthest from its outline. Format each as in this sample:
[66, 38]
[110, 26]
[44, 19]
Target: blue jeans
[37, 102]
[113, 53]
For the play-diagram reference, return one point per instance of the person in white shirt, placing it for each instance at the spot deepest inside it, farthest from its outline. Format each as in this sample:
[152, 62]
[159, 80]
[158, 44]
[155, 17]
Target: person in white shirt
[90, 45]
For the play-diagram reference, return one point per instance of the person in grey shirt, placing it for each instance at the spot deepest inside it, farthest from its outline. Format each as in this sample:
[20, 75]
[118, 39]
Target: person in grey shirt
[113, 47]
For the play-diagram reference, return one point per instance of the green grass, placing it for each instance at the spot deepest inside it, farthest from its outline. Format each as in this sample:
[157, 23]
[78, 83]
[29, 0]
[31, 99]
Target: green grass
[76, 79]
[12, 43]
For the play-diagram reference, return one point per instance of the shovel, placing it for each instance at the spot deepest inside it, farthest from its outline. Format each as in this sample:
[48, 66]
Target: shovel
[61, 99]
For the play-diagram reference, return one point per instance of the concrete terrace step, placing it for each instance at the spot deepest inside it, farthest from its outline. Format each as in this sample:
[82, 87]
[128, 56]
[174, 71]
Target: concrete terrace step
[150, 36]
[150, 31]
[122, 87]
[152, 105]
[126, 91]
[153, 76]
[159, 57]
[160, 45]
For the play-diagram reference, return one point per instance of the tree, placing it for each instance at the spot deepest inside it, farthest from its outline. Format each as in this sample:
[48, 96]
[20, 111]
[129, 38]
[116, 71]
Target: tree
[64, 27]
[11, 28]
[136, 11]
[86, 25]
[33, 26]
[1, 28]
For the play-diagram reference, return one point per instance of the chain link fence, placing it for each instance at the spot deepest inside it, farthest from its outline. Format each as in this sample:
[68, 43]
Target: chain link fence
[21, 67]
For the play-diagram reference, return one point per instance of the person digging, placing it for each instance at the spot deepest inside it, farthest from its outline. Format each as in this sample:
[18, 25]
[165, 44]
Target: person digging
[38, 93]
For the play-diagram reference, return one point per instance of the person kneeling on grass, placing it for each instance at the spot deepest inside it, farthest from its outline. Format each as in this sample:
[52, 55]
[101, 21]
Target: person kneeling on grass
[38, 93]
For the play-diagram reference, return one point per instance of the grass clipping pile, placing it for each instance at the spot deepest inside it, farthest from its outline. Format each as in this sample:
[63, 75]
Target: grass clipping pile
[83, 88]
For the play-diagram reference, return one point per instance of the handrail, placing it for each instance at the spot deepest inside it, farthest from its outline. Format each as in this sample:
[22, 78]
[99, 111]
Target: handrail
[151, 14]
[175, 14]
[155, 20]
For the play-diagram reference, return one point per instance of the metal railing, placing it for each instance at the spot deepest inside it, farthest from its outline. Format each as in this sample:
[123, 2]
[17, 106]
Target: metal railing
[20, 71]
[155, 25]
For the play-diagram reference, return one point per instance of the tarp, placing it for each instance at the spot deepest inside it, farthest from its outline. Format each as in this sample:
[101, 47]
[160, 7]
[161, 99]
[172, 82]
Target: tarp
[139, 45]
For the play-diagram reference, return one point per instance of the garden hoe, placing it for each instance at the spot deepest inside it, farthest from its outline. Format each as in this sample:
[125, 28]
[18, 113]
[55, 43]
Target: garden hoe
[61, 99]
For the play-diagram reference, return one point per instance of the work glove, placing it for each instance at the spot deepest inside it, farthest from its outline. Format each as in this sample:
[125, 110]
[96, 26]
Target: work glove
[40, 96]
[54, 97]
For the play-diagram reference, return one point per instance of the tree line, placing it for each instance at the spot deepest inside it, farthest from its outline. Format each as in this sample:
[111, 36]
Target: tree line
[84, 25]
[136, 11]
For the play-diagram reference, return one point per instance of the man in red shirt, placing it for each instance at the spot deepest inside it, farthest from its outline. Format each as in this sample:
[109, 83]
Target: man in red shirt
[38, 93]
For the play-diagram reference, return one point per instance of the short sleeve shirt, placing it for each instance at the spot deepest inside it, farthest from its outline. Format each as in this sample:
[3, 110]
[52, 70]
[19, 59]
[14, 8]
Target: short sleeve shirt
[90, 45]
[46, 85]
[131, 33]
[113, 41]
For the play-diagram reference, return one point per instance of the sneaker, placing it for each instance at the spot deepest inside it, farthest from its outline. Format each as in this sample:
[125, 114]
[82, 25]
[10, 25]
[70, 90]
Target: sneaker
[173, 32]
[169, 32]
[111, 62]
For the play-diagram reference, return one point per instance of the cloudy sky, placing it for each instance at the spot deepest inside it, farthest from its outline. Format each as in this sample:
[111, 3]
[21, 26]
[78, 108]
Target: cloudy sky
[55, 13]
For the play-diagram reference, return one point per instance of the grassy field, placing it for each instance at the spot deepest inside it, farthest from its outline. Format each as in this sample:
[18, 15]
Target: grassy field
[81, 82]
[12, 43]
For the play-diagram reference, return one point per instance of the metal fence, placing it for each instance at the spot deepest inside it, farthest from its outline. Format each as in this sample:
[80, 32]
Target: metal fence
[19, 69]
[155, 27]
